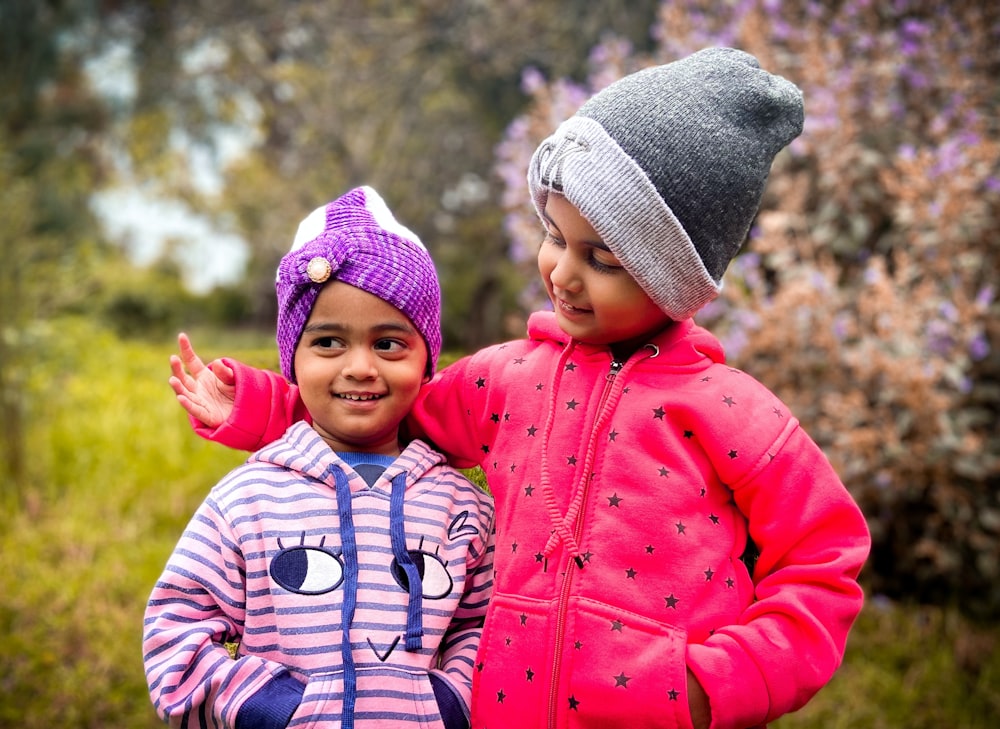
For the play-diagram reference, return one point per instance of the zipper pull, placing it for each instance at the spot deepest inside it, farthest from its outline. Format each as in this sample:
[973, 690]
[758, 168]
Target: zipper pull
[616, 367]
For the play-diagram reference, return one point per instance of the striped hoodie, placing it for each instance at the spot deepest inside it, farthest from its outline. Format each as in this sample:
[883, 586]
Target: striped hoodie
[300, 595]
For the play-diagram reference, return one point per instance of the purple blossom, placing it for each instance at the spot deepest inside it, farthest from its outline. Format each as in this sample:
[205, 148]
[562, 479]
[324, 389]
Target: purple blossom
[985, 297]
[979, 347]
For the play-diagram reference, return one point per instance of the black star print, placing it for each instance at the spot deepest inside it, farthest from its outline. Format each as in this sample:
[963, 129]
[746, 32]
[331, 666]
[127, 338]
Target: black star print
[706, 378]
[708, 574]
[650, 549]
[485, 448]
[630, 573]
[480, 383]
[571, 405]
[586, 556]
[524, 620]
[672, 694]
[513, 467]
[573, 703]
[539, 386]
[622, 680]
[539, 557]
[689, 434]
[513, 547]
[570, 366]
[529, 490]
[671, 601]
[714, 518]
[664, 472]
[531, 431]
[529, 675]
[732, 453]
[728, 400]
[577, 645]
[506, 417]
[501, 696]
[614, 500]
[612, 435]
[519, 360]
[507, 640]
[730, 583]
[778, 413]
[680, 527]
[571, 461]
[658, 413]
[479, 666]
[495, 417]
[617, 626]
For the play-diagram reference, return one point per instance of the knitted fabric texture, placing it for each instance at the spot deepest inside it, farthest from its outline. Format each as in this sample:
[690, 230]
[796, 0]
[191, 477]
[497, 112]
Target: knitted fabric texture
[355, 239]
[669, 165]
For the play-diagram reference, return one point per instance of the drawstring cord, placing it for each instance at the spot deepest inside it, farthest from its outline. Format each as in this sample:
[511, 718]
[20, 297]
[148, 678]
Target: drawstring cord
[350, 554]
[397, 532]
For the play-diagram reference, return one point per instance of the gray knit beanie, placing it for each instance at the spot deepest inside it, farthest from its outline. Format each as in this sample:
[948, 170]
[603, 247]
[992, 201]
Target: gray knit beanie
[669, 165]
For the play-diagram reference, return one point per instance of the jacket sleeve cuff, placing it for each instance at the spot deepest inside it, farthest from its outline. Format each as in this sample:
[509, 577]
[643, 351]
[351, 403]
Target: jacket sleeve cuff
[265, 405]
[273, 706]
[453, 711]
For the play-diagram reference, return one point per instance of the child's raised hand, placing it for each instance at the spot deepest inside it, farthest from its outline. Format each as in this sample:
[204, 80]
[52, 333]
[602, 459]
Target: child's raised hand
[205, 392]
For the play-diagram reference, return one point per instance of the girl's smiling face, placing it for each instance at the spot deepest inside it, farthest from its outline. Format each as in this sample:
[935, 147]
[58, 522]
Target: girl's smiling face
[359, 365]
[595, 299]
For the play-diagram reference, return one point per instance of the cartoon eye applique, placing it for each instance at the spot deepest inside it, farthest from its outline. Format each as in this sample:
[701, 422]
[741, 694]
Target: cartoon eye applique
[433, 571]
[307, 570]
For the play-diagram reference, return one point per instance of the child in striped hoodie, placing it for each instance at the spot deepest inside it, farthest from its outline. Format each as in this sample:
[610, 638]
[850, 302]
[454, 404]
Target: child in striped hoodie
[338, 578]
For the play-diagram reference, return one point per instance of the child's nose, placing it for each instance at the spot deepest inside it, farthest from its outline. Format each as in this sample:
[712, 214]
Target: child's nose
[360, 364]
[565, 272]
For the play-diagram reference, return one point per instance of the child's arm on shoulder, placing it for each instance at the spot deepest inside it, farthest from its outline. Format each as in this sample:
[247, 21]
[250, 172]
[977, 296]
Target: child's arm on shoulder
[231, 403]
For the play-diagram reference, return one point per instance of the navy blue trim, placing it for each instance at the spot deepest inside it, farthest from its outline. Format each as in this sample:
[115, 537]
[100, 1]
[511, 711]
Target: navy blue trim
[273, 706]
[349, 543]
[397, 531]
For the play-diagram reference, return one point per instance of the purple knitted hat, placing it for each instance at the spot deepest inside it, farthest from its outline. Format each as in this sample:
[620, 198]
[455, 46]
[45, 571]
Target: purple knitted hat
[355, 239]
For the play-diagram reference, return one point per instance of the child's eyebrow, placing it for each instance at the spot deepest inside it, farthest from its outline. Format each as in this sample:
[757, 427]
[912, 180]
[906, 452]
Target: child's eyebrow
[594, 243]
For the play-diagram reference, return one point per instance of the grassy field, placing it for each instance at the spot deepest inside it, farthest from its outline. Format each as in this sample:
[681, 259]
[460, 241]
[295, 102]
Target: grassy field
[116, 475]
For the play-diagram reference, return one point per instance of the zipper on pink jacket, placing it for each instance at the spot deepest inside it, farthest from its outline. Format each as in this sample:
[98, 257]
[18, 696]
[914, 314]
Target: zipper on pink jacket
[563, 603]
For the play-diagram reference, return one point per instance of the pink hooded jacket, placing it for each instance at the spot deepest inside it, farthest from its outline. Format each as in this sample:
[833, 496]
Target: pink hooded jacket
[625, 496]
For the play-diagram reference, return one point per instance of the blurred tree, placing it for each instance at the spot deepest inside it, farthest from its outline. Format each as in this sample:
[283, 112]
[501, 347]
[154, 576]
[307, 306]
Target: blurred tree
[410, 98]
[49, 166]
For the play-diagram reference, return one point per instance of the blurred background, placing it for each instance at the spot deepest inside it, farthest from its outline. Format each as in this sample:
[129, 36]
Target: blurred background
[156, 158]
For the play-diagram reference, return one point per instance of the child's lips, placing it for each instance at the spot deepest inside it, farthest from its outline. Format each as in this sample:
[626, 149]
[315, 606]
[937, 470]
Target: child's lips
[358, 396]
[568, 308]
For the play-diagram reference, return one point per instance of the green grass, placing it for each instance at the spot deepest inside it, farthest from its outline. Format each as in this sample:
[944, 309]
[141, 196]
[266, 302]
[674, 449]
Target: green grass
[116, 474]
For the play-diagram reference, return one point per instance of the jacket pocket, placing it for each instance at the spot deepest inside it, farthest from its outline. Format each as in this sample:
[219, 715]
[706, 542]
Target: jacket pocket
[511, 676]
[619, 668]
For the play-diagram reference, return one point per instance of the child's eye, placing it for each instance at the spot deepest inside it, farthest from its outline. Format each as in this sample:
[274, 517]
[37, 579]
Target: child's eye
[552, 238]
[600, 266]
[389, 346]
[326, 343]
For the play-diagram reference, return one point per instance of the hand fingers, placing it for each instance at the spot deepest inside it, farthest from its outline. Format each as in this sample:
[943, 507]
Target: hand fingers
[191, 360]
[224, 373]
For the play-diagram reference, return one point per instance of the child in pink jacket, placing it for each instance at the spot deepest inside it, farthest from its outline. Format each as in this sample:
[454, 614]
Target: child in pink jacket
[338, 578]
[631, 467]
